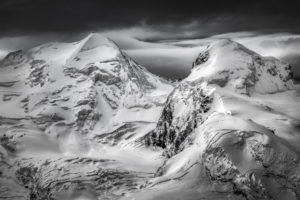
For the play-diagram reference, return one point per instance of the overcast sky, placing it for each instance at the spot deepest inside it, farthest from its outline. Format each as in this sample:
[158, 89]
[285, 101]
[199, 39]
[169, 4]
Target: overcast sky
[165, 18]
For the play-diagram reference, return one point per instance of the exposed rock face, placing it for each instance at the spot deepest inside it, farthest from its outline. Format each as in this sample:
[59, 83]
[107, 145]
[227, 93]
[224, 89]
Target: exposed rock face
[120, 134]
[14, 58]
[39, 72]
[185, 109]
[202, 58]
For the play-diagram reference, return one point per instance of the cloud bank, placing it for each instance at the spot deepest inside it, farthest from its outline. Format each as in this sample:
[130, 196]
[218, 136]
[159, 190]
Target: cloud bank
[173, 58]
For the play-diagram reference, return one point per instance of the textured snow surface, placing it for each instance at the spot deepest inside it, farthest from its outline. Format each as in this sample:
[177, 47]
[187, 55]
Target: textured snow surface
[84, 121]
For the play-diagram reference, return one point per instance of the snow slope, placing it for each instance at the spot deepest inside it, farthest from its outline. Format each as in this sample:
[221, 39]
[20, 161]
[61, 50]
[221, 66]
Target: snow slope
[79, 109]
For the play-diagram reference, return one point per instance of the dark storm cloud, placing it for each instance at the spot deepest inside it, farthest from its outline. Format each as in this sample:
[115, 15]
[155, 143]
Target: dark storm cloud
[200, 18]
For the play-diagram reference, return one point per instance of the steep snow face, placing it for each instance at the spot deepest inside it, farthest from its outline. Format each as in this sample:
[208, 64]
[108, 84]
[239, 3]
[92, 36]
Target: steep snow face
[229, 64]
[70, 117]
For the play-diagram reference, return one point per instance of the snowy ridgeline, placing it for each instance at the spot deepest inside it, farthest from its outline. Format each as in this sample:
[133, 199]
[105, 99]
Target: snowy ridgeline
[84, 121]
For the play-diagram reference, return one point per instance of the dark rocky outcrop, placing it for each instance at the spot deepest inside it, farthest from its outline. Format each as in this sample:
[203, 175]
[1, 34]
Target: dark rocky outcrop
[184, 110]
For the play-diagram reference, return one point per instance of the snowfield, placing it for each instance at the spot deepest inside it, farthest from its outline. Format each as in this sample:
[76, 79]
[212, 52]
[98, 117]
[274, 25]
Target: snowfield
[82, 120]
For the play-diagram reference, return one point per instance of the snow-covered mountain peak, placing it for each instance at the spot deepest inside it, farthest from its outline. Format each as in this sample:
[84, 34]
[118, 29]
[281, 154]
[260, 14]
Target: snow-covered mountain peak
[229, 64]
[87, 82]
